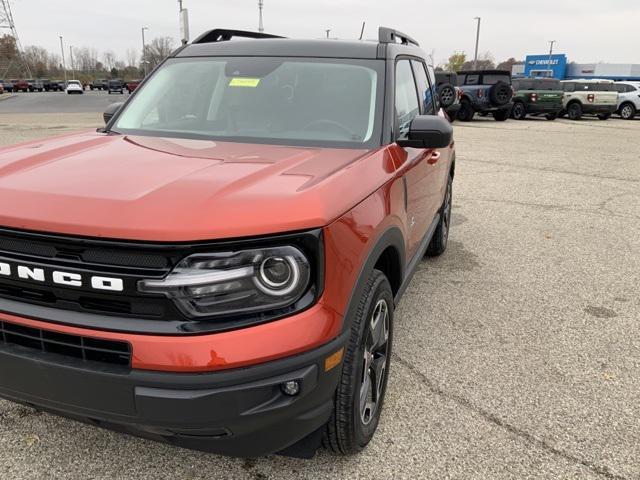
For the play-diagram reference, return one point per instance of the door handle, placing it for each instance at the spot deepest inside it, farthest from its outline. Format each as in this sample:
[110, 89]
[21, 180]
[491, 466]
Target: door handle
[433, 159]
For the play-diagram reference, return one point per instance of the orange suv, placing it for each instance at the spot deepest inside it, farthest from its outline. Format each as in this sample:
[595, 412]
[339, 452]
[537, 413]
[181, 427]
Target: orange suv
[218, 267]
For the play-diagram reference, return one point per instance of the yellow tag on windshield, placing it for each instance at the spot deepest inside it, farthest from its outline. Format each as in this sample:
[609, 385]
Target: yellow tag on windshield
[244, 82]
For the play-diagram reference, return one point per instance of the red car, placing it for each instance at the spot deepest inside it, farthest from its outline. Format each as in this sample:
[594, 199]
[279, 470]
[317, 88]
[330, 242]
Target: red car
[218, 267]
[20, 85]
[132, 85]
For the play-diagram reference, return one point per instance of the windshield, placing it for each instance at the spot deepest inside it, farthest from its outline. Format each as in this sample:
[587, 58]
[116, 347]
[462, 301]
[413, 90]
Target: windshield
[319, 102]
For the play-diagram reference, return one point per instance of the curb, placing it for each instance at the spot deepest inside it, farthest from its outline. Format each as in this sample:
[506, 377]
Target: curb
[7, 96]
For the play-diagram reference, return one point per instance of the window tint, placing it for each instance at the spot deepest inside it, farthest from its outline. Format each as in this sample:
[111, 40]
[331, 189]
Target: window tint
[407, 107]
[426, 93]
[595, 87]
[462, 79]
[472, 80]
[492, 79]
[569, 87]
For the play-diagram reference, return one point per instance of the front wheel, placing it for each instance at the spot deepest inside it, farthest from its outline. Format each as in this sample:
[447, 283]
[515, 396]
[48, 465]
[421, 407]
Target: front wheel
[441, 236]
[628, 111]
[363, 383]
[519, 111]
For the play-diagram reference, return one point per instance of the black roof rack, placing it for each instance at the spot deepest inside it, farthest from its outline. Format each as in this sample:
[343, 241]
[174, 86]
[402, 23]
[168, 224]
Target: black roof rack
[223, 35]
[389, 35]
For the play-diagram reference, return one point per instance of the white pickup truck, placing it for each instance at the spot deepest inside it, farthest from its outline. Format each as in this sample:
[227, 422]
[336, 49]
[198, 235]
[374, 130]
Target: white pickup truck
[589, 97]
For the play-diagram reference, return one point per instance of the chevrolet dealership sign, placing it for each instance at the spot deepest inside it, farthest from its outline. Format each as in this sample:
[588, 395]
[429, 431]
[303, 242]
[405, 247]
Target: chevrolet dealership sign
[542, 65]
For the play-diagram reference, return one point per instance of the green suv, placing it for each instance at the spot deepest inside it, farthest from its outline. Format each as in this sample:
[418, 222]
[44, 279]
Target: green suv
[537, 96]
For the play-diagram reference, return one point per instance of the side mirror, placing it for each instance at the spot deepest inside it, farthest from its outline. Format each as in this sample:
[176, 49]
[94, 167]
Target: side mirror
[428, 131]
[111, 111]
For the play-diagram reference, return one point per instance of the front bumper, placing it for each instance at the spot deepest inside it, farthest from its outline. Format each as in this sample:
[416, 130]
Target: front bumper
[239, 412]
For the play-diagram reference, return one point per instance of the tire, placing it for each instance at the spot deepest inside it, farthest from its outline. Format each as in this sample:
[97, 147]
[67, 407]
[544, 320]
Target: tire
[604, 116]
[438, 243]
[628, 111]
[502, 115]
[446, 95]
[500, 94]
[354, 421]
[574, 111]
[519, 111]
[466, 112]
[551, 116]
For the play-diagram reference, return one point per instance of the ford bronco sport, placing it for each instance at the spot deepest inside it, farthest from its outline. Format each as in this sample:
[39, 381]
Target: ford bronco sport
[537, 96]
[485, 91]
[589, 97]
[218, 267]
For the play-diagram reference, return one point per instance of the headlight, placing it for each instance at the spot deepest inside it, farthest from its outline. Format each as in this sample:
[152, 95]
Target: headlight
[231, 283]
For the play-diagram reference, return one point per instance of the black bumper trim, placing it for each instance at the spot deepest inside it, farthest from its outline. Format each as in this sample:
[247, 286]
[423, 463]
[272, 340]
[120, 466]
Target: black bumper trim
[240, 412]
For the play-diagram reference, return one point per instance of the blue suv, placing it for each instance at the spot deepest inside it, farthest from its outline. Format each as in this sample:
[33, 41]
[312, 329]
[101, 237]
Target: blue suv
[484, 92]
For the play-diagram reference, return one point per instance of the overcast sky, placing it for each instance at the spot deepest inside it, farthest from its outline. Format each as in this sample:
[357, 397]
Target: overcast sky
[586, 30]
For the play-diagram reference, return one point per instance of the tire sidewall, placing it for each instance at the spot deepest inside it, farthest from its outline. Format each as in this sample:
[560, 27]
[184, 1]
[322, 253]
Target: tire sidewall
[364, 433]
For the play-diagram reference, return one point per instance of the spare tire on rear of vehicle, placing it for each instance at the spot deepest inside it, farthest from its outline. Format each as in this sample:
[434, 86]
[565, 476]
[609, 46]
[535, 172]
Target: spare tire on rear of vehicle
[446, 95]
[500, 94]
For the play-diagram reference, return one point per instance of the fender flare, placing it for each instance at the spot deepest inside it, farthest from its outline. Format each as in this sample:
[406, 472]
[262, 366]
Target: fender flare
[391, 237]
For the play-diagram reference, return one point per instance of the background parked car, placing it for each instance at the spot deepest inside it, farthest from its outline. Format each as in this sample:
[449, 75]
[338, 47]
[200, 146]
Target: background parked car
[20, 85]
[46, 84]
[7, 85]
[628, 99]
[485, 91]
[537, 96]
[448, 93]
[589, 97]
[1, 89]
[116, 86]
[132, 85]
[74, 86]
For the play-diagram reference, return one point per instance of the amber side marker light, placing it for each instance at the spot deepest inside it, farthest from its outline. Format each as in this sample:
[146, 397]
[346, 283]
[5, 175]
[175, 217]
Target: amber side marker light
[333, 360]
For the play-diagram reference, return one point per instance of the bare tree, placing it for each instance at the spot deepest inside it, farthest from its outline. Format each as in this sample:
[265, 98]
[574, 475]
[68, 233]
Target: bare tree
[132, 57]
[158, 50]
[485, 62]
[109, 59]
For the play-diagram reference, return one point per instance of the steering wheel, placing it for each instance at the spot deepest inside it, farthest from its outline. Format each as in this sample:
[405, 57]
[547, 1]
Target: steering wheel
[332, 123]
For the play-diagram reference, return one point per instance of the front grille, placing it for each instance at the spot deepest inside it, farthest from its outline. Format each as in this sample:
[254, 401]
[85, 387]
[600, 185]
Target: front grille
[84, 348]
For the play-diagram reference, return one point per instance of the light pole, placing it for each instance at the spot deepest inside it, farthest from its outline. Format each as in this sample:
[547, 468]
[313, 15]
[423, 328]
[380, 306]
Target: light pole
[475, 58]
[328, 31]
[64, 65]
[73, 70]
[260, 23]
[144, 51]
[551, 42]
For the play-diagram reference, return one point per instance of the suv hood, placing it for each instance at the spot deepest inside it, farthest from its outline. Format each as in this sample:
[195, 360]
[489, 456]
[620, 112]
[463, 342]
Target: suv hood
[161, 189]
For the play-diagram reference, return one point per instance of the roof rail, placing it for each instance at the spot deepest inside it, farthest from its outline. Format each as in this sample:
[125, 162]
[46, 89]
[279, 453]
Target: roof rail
[389, 35]
[223, 35]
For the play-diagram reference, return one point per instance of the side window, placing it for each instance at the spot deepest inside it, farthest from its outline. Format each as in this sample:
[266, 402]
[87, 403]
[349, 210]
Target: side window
[472, 79]
[407, 107]
[569, 87]
[426, 93]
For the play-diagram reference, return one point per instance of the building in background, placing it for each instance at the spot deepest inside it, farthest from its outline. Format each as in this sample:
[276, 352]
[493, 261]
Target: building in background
[557, 66]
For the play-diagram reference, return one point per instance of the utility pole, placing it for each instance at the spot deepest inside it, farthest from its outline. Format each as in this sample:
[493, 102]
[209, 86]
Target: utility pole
[184, 24]
[64, 64]
[551, 42]
[475, 58]
[328, 31]
[73, 69]
[7, 23]
[260, 22]
[144, 51]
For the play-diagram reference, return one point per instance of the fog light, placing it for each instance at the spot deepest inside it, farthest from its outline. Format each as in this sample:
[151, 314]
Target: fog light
[291, 388]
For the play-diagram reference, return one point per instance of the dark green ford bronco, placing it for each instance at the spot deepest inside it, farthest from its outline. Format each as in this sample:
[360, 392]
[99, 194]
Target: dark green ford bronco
[537, 96]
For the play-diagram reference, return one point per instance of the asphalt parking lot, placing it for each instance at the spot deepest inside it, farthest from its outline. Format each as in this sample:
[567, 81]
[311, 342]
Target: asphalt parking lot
[517, 353]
